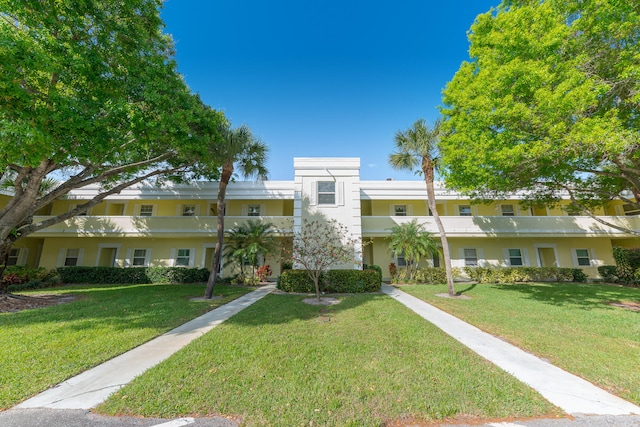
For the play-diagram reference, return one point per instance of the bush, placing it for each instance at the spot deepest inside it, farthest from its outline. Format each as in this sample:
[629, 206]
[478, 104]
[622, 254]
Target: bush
[333, 281]
[434, 275]
[375, 268]
[296, 281]
[525, 274]
[609, 273]
[117, 275]
[627, 263]
[16, 278]
[352, 281]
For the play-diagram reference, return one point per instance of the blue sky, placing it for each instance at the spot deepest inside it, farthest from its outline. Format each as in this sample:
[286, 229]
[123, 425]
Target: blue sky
[323, 78]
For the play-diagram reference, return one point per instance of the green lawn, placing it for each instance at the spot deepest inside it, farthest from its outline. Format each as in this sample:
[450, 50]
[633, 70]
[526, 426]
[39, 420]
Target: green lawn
[364, 362]
[42, 347]
[571, 325]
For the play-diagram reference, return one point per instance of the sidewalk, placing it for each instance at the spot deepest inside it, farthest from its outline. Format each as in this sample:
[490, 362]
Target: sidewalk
[570, 393]
[92, 387]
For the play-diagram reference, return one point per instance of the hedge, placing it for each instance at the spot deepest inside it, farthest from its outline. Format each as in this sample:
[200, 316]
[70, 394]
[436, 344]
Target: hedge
[332, 281]
[525, 274]
[134, 275]
[17, 278]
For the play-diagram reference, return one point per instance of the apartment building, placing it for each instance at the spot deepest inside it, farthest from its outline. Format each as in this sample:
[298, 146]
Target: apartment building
[175, 225]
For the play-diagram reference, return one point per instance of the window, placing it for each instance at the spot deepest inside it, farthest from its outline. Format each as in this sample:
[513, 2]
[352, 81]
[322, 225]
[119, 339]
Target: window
[183, 257]
[400, 260]
[582, 257]
[139, 258]
[464, 210]
[470, 257]
[146, 210]
[435, 257]
[630, 210]
[71, 257]
[188, 210]
[326, 193]
[253, 210]
[507, 210]
[515, 257]
[14, 254]
[400, 210]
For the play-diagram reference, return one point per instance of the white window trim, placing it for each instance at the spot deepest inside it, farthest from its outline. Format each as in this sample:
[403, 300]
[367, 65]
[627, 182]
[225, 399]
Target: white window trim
[472, 208]
[154, 209]
[174, 257]
[129, 260]
[593, 262]
[523, 253]
[339, 194]
[62, 256]
[479, 257]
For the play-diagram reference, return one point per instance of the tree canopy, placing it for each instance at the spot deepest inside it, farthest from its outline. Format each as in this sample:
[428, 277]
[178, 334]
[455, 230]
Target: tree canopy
[413, 241]
[548, 103]
[91, 94]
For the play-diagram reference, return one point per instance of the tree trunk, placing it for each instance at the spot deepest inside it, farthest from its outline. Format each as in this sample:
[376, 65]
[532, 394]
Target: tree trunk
[427, 169]
[227, 171]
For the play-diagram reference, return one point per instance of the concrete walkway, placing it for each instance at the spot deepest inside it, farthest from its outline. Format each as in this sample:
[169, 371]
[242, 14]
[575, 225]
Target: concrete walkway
[569, 392]
[92, 387]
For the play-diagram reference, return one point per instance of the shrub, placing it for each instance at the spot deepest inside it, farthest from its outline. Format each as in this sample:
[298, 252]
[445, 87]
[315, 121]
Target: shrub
[295, 281]
[627, 263]
[609, 273]
[16, 277]
[352, 281]
[332, 281]
[393, 271]
[263, 272]
[375, 268]
[432, 275]
[117, 275]
[525, 274]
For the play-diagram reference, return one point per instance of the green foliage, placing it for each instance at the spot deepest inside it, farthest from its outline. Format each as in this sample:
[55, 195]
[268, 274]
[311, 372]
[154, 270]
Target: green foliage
[549, 102]
[626, 269]
[352, 281]
[434, 275]
[140, 275]
[525, 274]
[91, 92]
[413, 241]
[17, 277]
[373, 267]
[333, 281]
[295, 281]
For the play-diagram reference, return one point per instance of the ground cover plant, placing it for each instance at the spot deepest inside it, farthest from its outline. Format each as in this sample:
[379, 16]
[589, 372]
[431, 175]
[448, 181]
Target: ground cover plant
[591, 330]
[42, 347]
[367, 361]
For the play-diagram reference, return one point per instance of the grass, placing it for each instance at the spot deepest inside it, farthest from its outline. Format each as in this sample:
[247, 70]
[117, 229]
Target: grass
[571, 325]
[40, 348]
[367, 361]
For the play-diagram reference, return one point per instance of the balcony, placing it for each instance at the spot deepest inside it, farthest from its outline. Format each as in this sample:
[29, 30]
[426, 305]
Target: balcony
[153, 226]
[504, 226]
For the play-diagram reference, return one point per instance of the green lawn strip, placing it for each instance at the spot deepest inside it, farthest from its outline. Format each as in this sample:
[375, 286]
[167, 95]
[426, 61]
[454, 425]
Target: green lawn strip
[365, 361]
[40, 348]
[571, 325]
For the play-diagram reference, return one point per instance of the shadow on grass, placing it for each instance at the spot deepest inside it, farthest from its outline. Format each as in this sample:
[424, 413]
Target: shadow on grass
[277, 309]
[585, 296]
[122, 307]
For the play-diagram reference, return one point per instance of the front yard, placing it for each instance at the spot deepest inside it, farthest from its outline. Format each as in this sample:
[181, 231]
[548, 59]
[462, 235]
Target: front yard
[589, 330]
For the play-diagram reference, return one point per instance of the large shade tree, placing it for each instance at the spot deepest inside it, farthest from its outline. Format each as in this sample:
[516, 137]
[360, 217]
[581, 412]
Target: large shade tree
[417, 150]
[549, 103]
[90, 94]
[243, 152]
[411, 240]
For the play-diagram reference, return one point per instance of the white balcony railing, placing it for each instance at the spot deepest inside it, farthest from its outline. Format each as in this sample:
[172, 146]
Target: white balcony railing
[460, 226]
[504, 226]
[161, 226]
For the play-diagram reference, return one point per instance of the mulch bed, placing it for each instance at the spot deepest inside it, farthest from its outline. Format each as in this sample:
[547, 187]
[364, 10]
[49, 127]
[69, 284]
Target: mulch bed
[11, 303]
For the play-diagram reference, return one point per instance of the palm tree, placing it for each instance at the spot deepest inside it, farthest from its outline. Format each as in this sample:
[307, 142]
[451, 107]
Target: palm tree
[418, 147]
[242, 150]
[250, 241]
[413, 241]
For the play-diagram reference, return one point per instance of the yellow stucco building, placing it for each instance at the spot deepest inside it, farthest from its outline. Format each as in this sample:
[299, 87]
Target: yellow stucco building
[176, 225]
